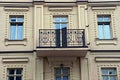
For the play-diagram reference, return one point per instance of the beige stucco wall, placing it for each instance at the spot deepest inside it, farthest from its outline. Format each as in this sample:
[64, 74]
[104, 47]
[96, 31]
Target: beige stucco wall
[27, 42]
[45, 67]
[96, 44]
[18, 60]
[98, 60]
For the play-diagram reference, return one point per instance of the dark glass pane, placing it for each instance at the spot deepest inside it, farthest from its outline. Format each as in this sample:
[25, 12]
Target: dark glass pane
[10, 78]
[11, 71]
[65, 71]
[19, 71]
[65, 77]
[58, 78]
[58, 71]
[18, 78]
[64, 37]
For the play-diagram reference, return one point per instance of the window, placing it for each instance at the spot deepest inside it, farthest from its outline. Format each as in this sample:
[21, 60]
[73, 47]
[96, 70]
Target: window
[62, 73]
[104, 29]
[16, 27]
[60, 25]
[14, 74]
[109, 74]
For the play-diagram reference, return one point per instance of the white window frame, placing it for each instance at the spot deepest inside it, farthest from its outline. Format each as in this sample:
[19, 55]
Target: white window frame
[109, 74]
[16, 23]
[103, 23]
[62, 74]
[15, 73]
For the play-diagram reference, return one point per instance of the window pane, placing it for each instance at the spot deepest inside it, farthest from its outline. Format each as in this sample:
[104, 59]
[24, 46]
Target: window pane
[106, 19]
[100, 32]
[63, 25]
[104, 71]
[112, 78]
[58, 78]
[107, 31]
[105, 78]
[13, 19]
[65, 78]
[66, 71]
[100, 19]
[19, 71]
[58, 71]
[57, 26]
[57, 19]
[20, 19]
[11, 71]
[18, 78]
[64, 19]
[20, 32]
[13, 32]
[11, 78]
[112, 71]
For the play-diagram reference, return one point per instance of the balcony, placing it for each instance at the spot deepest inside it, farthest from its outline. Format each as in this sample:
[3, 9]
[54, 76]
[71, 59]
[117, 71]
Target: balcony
[63, 41]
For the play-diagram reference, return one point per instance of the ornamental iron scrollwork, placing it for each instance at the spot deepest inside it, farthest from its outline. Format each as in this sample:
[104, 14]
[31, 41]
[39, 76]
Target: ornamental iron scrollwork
[75, 38]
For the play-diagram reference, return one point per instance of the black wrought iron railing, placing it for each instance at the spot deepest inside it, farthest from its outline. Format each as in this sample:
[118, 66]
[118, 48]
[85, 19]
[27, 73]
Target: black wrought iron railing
[68, 38]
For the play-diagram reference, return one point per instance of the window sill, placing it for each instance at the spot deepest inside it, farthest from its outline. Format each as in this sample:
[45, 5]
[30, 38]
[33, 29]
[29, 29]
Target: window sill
[16, 42]
[112, 41]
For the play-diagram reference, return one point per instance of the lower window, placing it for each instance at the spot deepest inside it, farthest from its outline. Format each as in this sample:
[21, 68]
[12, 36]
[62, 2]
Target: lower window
[109, 74]
[62, 73]
[14, 73]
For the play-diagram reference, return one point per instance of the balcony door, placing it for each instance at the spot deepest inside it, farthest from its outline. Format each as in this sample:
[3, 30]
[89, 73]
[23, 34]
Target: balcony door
[60, 25]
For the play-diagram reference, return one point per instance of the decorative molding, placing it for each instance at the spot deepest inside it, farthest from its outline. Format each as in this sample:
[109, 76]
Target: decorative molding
[106, 41]
[15, 59]
[60, 9]
[103, 8]
[113, 27]
[16, 8]
[17, 11]
[99, 66]
[6, 66]
[15, 42]
[107, 59]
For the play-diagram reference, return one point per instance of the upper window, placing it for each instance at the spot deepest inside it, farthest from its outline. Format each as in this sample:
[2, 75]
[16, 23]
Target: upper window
[62, 73]
[104, 26]
[60, 22]
[60, 25]
[16, 27]
[109, 74]
[14, 74]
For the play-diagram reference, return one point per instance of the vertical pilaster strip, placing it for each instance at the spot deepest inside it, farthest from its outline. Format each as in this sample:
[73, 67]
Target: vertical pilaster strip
[83, 20]
[39, 68]
[84, 69]
[38, 23]
[82, 14]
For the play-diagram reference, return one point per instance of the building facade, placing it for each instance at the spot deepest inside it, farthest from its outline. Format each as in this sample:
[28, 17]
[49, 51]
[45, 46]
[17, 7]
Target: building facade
[59, 40]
